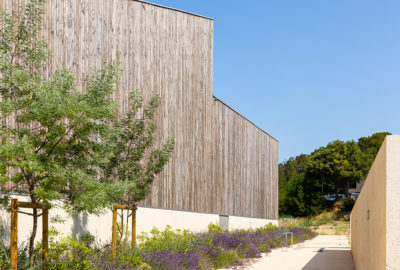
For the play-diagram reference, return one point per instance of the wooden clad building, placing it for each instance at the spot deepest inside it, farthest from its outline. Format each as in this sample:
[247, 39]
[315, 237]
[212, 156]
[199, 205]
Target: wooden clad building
[222, 163]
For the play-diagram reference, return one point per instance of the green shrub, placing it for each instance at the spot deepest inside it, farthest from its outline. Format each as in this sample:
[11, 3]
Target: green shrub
[214, 228]
[168, 240]
[269, 228]
[88, 240]
[307, 223]
[348, 204]
[4, 253]
[23, 260]
[68, 253]
[226, 258]
[128, 255]
[319, 222]
[167, 249]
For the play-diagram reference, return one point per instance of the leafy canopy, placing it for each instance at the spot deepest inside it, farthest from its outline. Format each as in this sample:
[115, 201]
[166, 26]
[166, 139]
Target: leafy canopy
[337, 163]
[60, 144]
[303, 180]
[370, 146]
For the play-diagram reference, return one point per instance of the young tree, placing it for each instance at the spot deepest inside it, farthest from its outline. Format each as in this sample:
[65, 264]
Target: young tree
[131, 138]
[58, 144]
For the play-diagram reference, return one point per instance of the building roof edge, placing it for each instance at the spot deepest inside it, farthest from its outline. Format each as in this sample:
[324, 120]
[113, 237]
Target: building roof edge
[217, 99]
[175, 9]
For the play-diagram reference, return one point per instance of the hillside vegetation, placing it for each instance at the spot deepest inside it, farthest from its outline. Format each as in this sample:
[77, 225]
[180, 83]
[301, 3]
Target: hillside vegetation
[304, 180]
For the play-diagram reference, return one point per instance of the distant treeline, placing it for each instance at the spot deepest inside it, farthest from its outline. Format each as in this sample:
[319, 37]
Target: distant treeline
[306, 178]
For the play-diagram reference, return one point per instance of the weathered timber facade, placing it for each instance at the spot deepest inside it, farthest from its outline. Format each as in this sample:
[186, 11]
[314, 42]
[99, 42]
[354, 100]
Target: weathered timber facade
[222, 162]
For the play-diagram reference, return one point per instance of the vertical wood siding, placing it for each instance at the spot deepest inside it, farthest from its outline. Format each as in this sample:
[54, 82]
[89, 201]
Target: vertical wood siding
[245, 166]
[222, 163]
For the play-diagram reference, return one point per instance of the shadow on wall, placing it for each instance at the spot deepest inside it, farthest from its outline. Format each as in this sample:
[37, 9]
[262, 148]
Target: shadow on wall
[5, 228]
[79, 226]
[331, 260]
[78, 229]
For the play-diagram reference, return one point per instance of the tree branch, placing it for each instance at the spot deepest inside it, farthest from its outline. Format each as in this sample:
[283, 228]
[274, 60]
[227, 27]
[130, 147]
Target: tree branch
[41, 146]
[62, 137]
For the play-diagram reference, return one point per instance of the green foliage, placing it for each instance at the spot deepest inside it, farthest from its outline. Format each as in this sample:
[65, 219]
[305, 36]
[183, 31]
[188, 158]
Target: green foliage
[343, 208]
[287, 171]
[307, 223]
[348, 204]
[269, 228]
[214, 228]
[322, 222]
[302, 196]
[224, 249]
[68, 144]
[130, 141]
[70, 254]
[88, 240]
[292, 167]
[226, 258]
[337, 164]
[168, 240]
[303, 180]
[75, 254]
[132, 257]
[61, 144]
[4, 252]
[370, 146]
[22, 254]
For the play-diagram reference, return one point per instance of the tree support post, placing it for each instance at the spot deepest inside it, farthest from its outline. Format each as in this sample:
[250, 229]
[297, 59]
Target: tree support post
[14, 233]
[134, 227]
[15, 205]
[45, 237]
[114, 226]
[114, 232]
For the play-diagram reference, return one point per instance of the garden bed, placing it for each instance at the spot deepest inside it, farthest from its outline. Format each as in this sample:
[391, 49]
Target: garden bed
[169, 250]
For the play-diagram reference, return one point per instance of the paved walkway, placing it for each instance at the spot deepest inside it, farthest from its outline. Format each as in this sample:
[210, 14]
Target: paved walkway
[324, 252]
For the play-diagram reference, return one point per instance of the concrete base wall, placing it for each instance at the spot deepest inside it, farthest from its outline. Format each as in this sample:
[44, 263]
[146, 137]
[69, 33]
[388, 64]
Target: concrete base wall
[375, 219]
[146, 219]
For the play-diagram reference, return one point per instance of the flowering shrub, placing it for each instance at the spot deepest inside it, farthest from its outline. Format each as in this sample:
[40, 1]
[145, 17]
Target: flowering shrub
[169, 260]
[170, 249]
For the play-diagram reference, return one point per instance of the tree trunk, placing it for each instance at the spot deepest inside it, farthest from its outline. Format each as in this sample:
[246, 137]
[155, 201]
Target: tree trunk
[122, 226]
[127, 229]
[336, 192]
[32, 238]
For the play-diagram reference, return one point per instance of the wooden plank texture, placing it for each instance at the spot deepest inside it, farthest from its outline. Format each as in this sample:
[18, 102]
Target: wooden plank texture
[222, 163]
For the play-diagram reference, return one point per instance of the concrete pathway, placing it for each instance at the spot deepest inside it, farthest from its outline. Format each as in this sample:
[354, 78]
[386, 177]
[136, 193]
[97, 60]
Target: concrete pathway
[324, 252]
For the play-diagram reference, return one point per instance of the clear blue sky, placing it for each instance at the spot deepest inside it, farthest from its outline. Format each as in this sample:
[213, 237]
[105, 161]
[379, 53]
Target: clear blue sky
[307, 72]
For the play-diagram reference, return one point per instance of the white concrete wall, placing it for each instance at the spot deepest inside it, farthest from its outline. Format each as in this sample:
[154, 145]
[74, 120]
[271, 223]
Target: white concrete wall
[248, 223]
[146, 219]
[375, 219]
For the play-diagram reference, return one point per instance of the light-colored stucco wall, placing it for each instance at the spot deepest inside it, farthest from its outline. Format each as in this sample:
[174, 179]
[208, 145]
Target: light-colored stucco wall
[393, 203]
[146, 219]
[375, 218]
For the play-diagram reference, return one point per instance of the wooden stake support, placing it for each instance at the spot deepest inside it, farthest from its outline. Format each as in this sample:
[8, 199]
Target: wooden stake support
[14, 233]
[15, 204]
[114, 226]
[134, 227]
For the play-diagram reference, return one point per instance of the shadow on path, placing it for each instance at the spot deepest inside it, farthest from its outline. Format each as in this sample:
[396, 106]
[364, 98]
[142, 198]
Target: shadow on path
[331, 260]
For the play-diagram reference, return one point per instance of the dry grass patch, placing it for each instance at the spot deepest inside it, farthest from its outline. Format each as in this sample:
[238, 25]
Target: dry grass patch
[334, 222]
